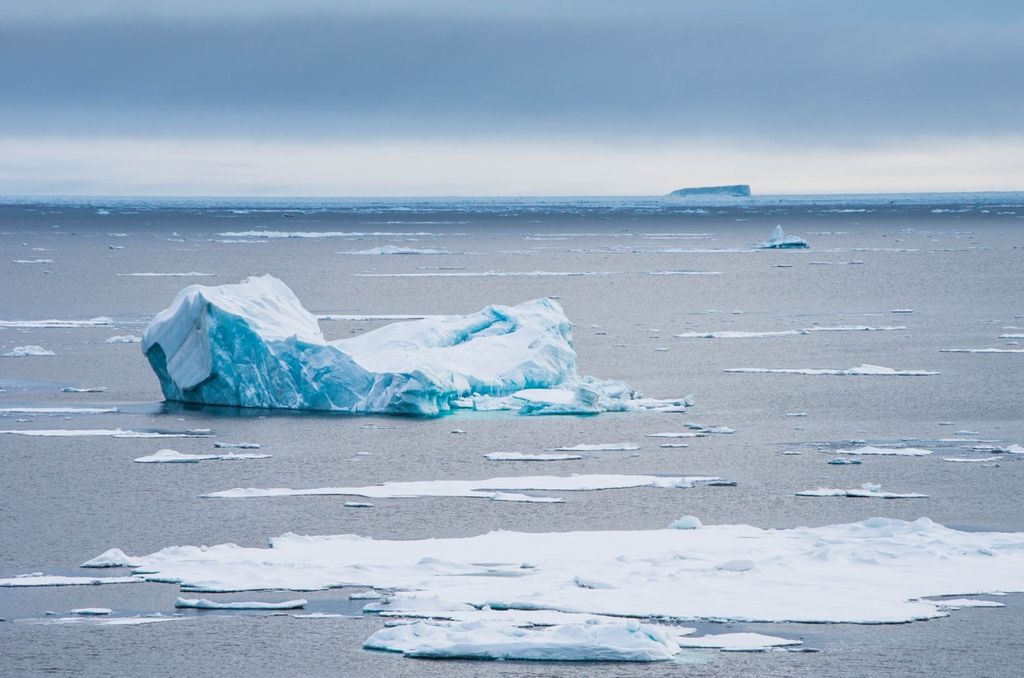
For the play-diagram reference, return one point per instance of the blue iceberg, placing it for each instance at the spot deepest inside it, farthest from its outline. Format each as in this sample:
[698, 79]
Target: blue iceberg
[780, 241]
[252, 344]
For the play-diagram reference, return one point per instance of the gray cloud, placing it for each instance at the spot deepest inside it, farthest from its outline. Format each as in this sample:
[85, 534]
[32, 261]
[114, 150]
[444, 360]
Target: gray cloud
[605, 70]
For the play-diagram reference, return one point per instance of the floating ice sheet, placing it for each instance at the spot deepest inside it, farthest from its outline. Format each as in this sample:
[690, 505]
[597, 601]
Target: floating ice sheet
[58, 580]
[394, 249]
[888, 451]
[865, 491]
[175, 457]
[124, 339]
[981, 350]
[874, 571]
[737, 641]
[103, 432]
[52, 323]
[729, 334]
[519, 456]
[204, 604]
[190, 274]
[57, 410]
[27, 352]
[491, 488]
[599, 447]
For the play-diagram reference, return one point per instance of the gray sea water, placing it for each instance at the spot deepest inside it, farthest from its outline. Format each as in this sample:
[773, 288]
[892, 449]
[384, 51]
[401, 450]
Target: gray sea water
[955, 261]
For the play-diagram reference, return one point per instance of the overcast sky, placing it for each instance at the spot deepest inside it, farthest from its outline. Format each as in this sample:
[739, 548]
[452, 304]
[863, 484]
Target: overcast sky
[398, 97]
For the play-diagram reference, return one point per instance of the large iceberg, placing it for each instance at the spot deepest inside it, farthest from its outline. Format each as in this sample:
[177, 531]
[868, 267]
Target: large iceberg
[252, 344]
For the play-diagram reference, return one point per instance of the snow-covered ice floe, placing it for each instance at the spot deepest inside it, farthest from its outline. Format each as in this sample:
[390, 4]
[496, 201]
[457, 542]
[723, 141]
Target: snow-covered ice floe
[394, 249]
[780, 241]
[496, 489]
[599, 641]
[59, 580]
[730, 334]
[981, 350]
[52, 323]
[124, 339]
[864, 370]
[189, 274]
[874, 571]
[252, 344]
[598, 447]
[519, 456]
[175, 457]
[57, 410]
[889, 451]
[204, 604]
[27, 352]
[103, 432]
[865, 491]
[737, 642]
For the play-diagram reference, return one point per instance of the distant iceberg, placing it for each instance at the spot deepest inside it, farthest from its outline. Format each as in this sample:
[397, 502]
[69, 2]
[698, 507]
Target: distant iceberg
[253, 344]
[780, 241]
[733, 191]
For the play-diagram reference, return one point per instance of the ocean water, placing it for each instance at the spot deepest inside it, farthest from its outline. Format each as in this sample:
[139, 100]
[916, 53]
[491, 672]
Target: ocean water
[955, 261]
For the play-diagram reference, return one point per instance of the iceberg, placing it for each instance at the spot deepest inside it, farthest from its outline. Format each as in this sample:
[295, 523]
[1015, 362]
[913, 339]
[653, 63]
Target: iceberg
[252, 344]
[780, 241]
[731, 191]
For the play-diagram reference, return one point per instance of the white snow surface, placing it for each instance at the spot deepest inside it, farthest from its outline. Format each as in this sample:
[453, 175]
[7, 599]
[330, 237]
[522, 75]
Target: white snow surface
[55, 323]
[93, 432]
[860, 371]
[520, 456]
[491, 488]
[599, 447]
[57, 410]
[885, 451]
[874, 571]
[737, 641]
[60, 580]
[252, 344]
[109, 558]
[600, 641]
[865, 491]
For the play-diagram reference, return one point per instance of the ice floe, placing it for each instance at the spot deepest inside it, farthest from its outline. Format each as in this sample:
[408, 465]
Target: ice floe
[981, 350]
[103, 432]
[686, 523]
[889, 451]
[254, 345]
[780, 241]
[59, 580]
[490, 274]
[970, 460]
[860, 371]
[961, 603]
[276, 235]
[124, 339]
[496, 489]
[87, 389]
[175, 457]
[236, 446]
[91, 611]
[865, 491]
[52, 323]
[27, 351]
[601, 641]
[519, 456]
[729, 334]
[873, 571]
[109, 558]
[205, 604]
[678, 434]
[57, 410]
[598, 447]
[189, 274]
[737, 642]
[394, 249]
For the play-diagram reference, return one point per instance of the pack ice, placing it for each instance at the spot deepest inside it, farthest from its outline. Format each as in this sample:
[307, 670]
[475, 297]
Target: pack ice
[252, 344]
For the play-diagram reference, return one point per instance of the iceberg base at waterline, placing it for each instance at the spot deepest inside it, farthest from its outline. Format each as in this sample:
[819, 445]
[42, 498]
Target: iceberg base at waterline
[252, 344]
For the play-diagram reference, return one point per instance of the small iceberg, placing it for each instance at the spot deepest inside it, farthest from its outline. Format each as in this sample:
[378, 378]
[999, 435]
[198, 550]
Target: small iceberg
[253, 344]
[110, 558]
[737, 642]
[175, 457]
[124, 339]
[780, 241]
[866, 491]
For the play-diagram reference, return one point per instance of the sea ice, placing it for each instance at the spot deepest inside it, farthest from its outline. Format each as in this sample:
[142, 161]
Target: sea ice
[175, 457]
[253, 345]
[873, 571]
[686, 523]
[861, 371]
[109, 558]
[113, 433]
[91, 611]
[519, 456]
[780, 241]
[27, 351]
[204, 604]
[729, 334]
[890, 451]
[490, 488]
[124, 339]
[599, 447]
[737, 642]
[394, 249]
[57, 410]
[608, 641]
[678, 434]
[190, 274]
[866, 491]
[981, 350]
[58, 580]
[54, 323]
[236, 446]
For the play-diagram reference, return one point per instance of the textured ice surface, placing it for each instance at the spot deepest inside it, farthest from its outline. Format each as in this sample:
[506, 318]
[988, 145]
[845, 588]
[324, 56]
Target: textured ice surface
[860, 371]
[737, 641]
[254, 345]
[175, 457]
[874, 571]
[27, 351]
[204, 604]
[489, 488]
[780, 241]
[607, 641]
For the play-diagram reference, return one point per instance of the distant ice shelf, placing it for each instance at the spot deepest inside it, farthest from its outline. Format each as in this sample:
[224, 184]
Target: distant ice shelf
[252, 344]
